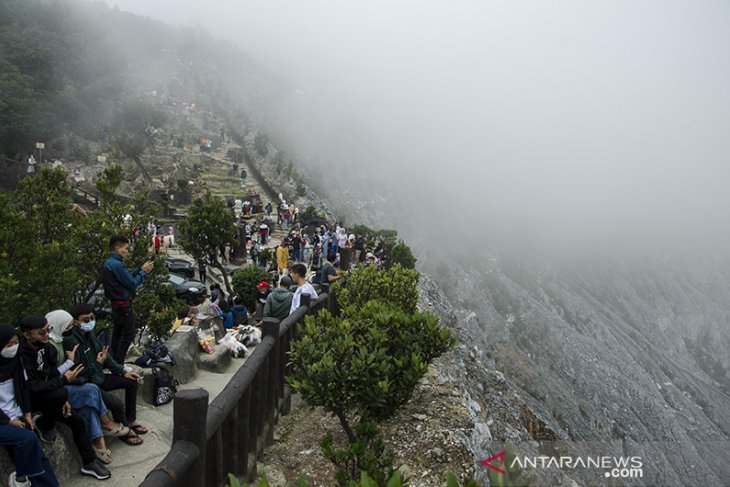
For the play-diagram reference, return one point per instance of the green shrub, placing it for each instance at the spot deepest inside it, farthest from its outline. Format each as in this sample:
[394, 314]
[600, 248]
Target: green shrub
[155, 304]
[402, 254]
[363, 367]
[396, 286]
[245, 280]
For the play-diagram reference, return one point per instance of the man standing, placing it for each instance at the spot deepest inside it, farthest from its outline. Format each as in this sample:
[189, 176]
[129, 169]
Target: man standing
[298, 274]
[202, 270]
[119, 287]
[296, 243]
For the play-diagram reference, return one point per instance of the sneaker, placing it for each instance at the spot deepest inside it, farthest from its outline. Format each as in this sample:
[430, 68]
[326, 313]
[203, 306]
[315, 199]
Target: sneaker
[13, 482]
[96, 469]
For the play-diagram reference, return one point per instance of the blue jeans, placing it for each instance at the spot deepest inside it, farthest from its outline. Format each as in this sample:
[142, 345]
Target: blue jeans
[30, 461]
[86, 400]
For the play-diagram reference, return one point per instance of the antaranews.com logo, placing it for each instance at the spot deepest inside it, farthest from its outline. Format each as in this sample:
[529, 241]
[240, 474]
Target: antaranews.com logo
[613, 467]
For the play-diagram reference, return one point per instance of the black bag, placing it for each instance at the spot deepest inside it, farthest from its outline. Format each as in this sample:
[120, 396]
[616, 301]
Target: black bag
[155, 354]
[157, 351]
[165, 386]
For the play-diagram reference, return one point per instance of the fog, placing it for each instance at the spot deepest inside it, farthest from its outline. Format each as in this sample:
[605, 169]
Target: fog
[556, 122]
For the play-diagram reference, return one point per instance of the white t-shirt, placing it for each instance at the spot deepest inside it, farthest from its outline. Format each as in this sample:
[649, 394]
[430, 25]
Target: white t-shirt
[8, 404]
[305, 288]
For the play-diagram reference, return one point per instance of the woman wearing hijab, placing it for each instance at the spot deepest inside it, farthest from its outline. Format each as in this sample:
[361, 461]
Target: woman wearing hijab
[16, 425]
[85, 398]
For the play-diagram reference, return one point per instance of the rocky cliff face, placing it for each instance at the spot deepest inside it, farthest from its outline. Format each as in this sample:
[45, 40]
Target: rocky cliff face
[599, 356]
[613, 359]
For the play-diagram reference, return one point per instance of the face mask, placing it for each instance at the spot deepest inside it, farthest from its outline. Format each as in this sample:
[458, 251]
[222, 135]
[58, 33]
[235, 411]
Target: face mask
[9, 352]
[87, 327]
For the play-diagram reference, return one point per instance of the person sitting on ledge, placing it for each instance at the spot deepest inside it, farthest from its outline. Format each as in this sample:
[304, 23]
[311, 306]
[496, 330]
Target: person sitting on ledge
[95, 359]
[49, 396]
[16, 424]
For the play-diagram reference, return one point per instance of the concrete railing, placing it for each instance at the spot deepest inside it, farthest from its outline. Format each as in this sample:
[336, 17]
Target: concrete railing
[240, 421]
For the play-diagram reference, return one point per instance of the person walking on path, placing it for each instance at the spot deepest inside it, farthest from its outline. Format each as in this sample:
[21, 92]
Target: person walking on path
[282, 257]
[119, 286]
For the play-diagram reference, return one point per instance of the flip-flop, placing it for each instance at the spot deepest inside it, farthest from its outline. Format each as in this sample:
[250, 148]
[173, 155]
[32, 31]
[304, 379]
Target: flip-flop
[132, 440]
[120, 430]
[104, 455]
[139, 429]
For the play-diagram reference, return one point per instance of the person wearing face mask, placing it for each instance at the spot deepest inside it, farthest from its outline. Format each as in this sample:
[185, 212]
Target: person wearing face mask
[46, 387]
[16, 425]
[83, 397]
[119, 286]
[95, 359]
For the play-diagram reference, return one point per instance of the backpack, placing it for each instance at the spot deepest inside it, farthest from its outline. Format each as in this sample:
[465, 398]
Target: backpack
[156, 353]
[165, 386]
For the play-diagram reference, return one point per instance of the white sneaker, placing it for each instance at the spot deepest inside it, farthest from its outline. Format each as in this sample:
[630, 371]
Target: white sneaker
[13, 482]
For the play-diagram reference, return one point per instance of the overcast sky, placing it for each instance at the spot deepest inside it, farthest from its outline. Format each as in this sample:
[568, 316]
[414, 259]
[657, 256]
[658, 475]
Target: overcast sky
[570, 117]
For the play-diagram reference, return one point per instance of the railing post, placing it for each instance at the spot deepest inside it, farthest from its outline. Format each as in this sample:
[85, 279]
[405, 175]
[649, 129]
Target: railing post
[189, 410]
[214, 460]
[306, 300]
[244, 406]
[253, 429]
[230, 445]
[271, 328]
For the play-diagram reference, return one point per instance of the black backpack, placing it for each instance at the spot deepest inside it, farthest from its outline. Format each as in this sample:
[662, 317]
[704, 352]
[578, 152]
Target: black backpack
[165, 386]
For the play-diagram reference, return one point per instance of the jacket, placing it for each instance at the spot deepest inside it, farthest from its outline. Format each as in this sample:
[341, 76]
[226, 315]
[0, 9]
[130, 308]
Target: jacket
[22, 396]
[240, 314]
[41, 367]
[119, 283]
[278, 304]
[282, 257]
[89, 348]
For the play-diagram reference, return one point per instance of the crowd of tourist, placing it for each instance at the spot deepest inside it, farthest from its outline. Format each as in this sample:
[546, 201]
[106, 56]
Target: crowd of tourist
[55, 369]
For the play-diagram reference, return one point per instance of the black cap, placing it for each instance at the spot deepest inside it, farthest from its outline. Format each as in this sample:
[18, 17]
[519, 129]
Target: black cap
[33, 322]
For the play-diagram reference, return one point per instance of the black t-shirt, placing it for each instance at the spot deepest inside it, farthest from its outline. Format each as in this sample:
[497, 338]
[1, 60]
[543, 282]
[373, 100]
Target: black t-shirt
[296, 242]
[316, 260]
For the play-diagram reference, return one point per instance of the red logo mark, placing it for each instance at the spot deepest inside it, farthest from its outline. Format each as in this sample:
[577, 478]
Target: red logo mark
[499, 456]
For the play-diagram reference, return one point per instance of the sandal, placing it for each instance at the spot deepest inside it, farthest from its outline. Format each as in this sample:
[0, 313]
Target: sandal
[132, 439]
[139, 429]
[120, 430]
[104, 456]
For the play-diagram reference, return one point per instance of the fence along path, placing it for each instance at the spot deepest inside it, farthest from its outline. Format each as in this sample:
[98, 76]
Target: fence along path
[240, 421]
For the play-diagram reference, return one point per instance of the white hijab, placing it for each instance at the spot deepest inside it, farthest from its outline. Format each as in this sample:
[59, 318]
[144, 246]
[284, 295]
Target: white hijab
[57, 322]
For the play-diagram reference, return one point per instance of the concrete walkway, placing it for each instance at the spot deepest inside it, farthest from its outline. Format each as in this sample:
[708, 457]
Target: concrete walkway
[131, 464]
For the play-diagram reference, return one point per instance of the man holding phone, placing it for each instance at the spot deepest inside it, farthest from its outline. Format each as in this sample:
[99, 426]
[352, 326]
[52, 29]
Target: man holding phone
[119, 286]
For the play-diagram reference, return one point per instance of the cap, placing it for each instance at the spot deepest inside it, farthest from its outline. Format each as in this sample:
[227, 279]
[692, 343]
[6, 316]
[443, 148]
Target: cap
[262, 285]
